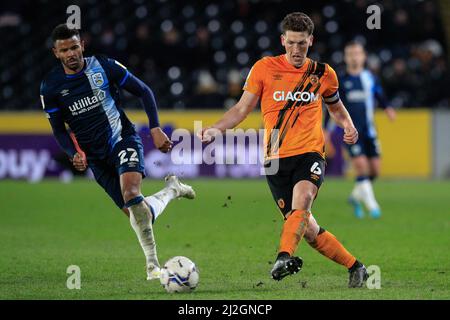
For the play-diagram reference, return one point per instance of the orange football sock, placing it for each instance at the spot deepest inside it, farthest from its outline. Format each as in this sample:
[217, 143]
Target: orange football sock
[327, 244]
[293, 230]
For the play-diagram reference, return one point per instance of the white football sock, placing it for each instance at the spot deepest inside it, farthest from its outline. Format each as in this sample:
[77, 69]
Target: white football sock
[160, 200]
[365, 193]
[357, 191]
[141, 222]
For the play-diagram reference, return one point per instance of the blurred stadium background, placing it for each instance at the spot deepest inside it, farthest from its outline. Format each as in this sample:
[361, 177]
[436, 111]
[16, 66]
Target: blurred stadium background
[196, 54]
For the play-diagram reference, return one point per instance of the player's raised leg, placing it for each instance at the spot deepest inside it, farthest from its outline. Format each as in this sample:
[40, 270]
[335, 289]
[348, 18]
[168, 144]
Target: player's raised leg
[174, 189]
[158, 201]
[140, 219]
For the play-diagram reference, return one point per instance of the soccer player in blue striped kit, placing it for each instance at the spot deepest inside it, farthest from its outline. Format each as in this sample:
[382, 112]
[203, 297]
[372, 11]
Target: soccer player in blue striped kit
[360, 90]
[84, 92]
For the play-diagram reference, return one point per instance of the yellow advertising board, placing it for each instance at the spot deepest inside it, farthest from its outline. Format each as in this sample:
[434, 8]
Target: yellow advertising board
[406, 144]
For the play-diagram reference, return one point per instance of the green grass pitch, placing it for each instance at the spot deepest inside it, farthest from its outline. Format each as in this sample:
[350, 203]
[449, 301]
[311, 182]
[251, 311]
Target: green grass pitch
[46, 227]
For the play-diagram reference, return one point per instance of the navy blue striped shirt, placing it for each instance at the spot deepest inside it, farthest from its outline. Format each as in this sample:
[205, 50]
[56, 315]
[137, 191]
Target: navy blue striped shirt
[89, 102]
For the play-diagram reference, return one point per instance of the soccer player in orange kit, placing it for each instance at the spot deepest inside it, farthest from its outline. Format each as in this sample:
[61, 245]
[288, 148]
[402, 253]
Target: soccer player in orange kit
[291, 87]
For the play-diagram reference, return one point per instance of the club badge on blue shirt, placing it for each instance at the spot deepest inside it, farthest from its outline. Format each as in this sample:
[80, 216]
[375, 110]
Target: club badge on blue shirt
[97, 79]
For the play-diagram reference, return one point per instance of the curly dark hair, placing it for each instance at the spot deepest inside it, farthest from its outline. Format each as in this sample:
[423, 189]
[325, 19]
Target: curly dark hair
[62, 32]
[297, 21]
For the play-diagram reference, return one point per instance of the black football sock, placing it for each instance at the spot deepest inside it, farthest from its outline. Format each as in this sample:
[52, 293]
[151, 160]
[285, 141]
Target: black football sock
[356, 265]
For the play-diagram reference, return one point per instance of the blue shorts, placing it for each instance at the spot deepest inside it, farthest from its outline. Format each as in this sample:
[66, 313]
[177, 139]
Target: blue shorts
[365, 146]
[126, 156]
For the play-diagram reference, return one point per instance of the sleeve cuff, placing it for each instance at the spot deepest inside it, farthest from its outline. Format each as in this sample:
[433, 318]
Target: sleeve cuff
[333, 98]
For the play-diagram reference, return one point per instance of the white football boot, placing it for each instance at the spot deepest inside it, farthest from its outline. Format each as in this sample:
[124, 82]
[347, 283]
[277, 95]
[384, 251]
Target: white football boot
[153, 272]
[182, 190]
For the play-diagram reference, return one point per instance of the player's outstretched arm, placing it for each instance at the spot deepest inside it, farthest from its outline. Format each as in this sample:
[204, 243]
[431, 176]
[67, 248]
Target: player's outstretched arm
[342, 118]
[231, 118]
[383, 101]
[138, 88]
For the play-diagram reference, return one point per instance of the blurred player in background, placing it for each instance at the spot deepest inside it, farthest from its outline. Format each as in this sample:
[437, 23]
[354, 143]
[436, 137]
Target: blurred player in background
[291, 87]
[84, 93]
[360, 90]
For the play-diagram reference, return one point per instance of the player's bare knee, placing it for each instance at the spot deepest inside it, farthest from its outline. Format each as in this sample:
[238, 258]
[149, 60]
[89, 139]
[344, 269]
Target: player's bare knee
[131, 193]
[306, 199]
[362, 171]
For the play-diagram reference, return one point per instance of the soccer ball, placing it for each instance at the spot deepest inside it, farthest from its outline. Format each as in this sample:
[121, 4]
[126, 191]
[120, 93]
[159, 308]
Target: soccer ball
[179, 274]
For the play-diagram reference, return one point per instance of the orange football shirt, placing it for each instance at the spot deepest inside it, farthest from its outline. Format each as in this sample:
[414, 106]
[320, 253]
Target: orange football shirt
[291, 104]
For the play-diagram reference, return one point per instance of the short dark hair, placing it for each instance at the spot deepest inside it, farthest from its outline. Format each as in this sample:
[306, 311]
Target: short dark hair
[352, 43]
[297, 21]
[62, 31]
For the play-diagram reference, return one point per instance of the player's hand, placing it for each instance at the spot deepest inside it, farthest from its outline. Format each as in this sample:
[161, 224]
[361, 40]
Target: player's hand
[161, 140]
[208, 134]
[391, 114]
[350, 135]
[79, 161]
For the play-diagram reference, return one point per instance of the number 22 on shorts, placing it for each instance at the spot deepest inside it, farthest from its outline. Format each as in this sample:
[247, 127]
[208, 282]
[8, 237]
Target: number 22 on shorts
[133, 157]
